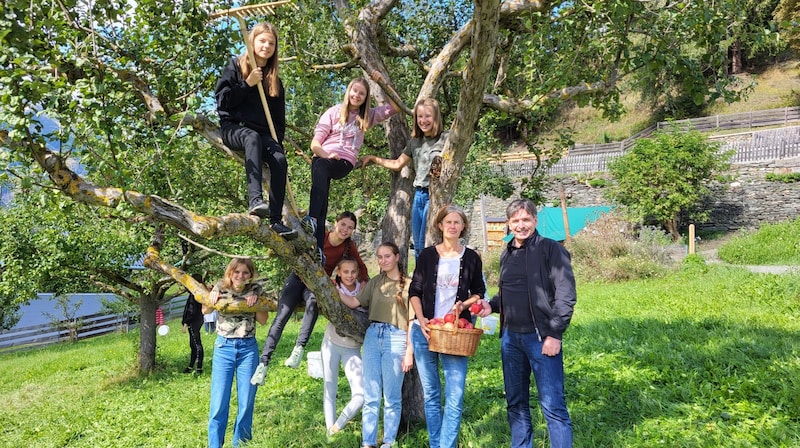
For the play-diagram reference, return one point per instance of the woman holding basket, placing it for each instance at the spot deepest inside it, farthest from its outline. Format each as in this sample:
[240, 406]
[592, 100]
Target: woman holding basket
[448, 278]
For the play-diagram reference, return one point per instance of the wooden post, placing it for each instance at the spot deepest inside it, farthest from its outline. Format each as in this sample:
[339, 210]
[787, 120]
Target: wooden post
[564, 211]
[691, 239]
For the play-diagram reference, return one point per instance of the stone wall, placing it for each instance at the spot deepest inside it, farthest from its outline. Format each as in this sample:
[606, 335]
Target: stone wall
[746, 201]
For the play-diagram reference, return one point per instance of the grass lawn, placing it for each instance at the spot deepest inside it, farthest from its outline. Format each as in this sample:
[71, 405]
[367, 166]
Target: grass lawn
[706, 357]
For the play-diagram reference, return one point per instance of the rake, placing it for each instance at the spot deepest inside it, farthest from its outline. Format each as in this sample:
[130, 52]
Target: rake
[240, 14]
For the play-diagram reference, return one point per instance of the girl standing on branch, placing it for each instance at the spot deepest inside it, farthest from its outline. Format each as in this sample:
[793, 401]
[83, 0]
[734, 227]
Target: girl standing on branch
[244, 124]
[427, 142]
[338, 137]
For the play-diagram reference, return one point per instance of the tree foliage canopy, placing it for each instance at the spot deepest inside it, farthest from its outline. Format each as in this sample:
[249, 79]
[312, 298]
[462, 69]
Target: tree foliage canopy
[666, 175]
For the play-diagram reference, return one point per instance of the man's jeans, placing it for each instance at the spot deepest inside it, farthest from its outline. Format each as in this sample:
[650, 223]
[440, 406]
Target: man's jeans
[521, 354]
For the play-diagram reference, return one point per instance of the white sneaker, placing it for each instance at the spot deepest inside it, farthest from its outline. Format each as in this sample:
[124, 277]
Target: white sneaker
[294, 359]
[258, 377]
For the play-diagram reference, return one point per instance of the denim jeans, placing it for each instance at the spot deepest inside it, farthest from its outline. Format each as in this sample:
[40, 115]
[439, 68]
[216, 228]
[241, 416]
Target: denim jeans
[239, 357]
[382, 357]
[442, 427]
[322, 171]
[419, 218]
[521, 354]
[293, 292]
[260, 148]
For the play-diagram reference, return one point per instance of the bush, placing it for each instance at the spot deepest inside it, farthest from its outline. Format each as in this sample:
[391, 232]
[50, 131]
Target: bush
[612, 249]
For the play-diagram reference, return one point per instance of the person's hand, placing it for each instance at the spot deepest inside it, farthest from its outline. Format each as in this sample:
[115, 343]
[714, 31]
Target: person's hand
[551, 346]
[254, 77]
[408, 361]
[213, 296]
[487, 309]
[333, 156]
[366, 160]
[376, 76]
[423, 325]
[183, 328]
[251, 299]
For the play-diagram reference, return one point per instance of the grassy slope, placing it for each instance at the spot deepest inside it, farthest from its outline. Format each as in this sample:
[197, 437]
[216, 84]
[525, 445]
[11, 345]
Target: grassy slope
[775, 87]
[705, 358]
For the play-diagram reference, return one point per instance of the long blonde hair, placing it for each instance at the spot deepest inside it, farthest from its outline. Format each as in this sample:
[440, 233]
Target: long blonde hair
[437, 127]
[271, 76]
[363, 109]
[227, 279]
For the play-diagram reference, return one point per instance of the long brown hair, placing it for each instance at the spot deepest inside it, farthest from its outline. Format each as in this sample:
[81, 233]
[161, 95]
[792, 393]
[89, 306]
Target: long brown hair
[363, 109]
[271, 76]
[403, 276]
[227, 278]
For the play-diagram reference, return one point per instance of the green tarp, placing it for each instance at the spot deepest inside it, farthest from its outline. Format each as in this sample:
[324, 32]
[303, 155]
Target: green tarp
[551, 220]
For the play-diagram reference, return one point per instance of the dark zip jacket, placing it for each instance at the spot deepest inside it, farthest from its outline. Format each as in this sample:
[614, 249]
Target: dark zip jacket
[551, 286]
[423, 282]
[237, 102]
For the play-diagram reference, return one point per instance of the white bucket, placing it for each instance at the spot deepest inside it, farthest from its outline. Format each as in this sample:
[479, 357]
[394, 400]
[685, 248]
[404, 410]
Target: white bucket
[314, 364]
[489, 324]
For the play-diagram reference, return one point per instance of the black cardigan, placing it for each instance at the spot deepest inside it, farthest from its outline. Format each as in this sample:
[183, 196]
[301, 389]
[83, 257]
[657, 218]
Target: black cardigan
[423, 282]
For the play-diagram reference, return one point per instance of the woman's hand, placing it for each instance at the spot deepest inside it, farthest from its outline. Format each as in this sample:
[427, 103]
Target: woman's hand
[251, 299]
[376, 76]
[366, 160]
[254, 77]
[423, 325]
[408, 360]
[213, 296]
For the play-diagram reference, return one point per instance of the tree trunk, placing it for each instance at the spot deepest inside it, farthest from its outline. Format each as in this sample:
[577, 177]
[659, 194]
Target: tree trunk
[736, 58]
[147, 334]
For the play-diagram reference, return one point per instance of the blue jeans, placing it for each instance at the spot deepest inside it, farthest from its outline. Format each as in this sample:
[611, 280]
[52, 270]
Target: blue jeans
[442, 427]
[232, 356]
[521, 354]
[382, 358]
[419, 218]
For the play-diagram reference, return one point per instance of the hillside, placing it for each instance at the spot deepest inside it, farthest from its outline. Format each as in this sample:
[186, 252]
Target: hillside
[774, 87]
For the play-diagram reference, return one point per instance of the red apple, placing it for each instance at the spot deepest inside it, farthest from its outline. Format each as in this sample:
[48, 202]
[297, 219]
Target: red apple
[449, 318]
[469, 326]
[475, 308]
[462, 322]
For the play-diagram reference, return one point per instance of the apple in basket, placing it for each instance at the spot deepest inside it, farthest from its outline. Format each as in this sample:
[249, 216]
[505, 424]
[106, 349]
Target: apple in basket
[448, 326]
[436, 322]
[462, 323]
[449, 318]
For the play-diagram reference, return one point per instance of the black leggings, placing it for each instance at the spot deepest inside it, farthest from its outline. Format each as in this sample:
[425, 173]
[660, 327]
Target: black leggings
[293, 293]
[322, 171]
[259, 148]
[196, 346]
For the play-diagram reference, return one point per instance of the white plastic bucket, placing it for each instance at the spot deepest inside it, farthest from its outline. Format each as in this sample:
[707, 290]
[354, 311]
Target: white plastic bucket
[489, 324]
[314, 364]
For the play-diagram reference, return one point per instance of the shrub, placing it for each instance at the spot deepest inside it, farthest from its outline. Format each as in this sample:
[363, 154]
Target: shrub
[613, 249]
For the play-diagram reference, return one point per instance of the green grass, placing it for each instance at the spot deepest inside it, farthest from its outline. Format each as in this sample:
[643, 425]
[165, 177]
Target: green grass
[705, 357]
[772, 244]
[775, 87]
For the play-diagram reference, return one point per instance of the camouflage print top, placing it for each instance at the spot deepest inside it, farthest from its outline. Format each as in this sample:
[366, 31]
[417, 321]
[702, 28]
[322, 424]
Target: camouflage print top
[239, 325]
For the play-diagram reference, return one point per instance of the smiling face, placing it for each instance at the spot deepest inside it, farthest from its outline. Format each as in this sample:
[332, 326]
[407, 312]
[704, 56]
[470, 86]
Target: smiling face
[426, 119]
[343, 229]
[240, 276]
[387, 259]
[264, 46]
[522, 224]
[357, 94]
[348, 272]
[451, 226]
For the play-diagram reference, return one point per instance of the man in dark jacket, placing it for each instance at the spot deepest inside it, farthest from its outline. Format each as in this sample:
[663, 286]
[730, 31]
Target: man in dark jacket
[536, 300]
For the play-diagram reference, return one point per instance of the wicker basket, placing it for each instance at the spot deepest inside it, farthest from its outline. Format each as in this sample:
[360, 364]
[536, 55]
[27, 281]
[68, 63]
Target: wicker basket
[458, 341]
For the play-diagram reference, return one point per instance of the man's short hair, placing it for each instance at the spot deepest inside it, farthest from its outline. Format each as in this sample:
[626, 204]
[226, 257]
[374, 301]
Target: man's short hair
[521, 204]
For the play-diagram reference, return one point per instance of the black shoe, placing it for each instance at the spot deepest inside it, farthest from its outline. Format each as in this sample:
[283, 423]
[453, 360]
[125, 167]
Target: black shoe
[199, 371]
[188, 370]
[258, 208]
[283, 231]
